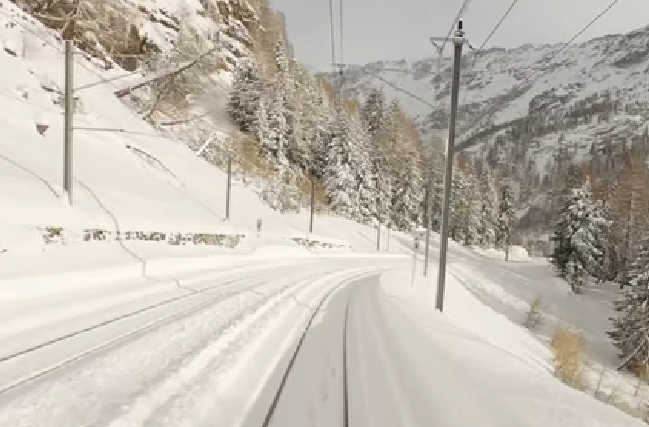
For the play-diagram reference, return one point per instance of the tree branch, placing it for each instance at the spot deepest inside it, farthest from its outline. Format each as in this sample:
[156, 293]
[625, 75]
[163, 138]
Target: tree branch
[126, 91]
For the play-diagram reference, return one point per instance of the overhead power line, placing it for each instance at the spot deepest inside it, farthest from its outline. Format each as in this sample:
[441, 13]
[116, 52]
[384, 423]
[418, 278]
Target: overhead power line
[533, 78]
[342, 38]
[51, 44]
[502, 19]
[404, 91]
[332, 36]
[486, 40]
[579, 33]
[460, 14]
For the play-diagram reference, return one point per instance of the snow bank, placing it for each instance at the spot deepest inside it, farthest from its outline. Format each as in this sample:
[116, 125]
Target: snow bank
[516, 253]
[102, 262]
[471, 314]
[514, 366]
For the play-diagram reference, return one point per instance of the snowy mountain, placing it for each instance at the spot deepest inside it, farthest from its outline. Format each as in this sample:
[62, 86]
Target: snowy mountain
[528, 111]
[118, 31]
[500, 85]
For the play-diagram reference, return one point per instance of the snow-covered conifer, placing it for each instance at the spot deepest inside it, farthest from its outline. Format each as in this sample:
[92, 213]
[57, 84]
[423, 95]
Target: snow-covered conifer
[578, 237]
[245, 95]
[631, 328]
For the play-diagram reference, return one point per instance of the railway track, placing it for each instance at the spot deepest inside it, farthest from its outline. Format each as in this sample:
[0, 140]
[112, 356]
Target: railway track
[345, 393]
[207, 296]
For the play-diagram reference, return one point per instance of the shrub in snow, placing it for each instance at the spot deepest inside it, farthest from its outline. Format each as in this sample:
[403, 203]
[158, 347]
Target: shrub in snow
[568, 348]
[535, 314]
[10, 47]
[42, 124]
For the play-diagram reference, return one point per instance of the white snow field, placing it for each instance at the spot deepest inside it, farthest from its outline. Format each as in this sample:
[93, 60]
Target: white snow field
[224, 346]
[137, 333]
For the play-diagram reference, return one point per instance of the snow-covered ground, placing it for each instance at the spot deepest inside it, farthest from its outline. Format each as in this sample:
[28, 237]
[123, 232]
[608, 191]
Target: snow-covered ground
[491, 298]
[126, 176]
[132, 333]
[217, 353]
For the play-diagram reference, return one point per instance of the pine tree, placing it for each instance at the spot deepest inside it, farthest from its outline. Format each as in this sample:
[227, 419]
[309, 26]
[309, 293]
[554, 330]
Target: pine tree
[365, 192]
[405, 158]
[505, 219]
[631, 329]
[324, 119]
[488, 210]
[243, 105]
[578, 237]
[628, 205]
[340, 172]
[434, 171]
[473, 220]
[307, 134]
[374, 112]
[574, 179]
[458, 206]
[273, 131]
[374, 116]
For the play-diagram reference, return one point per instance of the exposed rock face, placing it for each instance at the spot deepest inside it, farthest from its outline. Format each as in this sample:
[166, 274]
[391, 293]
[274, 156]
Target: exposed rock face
[121, 33]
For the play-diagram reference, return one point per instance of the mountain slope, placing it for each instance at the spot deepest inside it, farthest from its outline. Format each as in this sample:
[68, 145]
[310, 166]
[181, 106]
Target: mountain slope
[530, 111]
[127, 175]
[500, 85]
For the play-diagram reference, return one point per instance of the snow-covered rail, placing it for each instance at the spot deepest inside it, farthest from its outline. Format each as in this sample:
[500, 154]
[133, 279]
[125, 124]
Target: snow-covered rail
[316, 311]
[207, 297]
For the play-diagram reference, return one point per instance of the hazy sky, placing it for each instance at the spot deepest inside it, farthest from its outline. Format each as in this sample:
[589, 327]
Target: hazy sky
[399, 29]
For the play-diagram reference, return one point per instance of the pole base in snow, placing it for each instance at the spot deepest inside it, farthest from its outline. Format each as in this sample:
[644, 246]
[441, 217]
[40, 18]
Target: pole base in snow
[66, 199]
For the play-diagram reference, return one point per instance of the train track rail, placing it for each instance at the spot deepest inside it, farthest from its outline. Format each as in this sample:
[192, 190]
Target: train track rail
[345, 394]
[244, 284]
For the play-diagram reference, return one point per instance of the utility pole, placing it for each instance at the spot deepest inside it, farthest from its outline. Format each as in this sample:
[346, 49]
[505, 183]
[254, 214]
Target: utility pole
[428, 213]
[431, 181]
[387, 243]
[458, 42]
[312, 202]
[68, 124]
[228, 188]
[378, 214]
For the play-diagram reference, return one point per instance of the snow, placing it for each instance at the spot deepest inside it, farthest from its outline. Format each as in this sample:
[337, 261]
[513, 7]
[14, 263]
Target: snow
[222, 365]
[115, 188]
[219, 362]
[176, 372]
[516, 253]
[476, 335]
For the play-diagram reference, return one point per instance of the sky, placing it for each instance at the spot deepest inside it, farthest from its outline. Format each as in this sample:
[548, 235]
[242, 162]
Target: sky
[400, 29]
